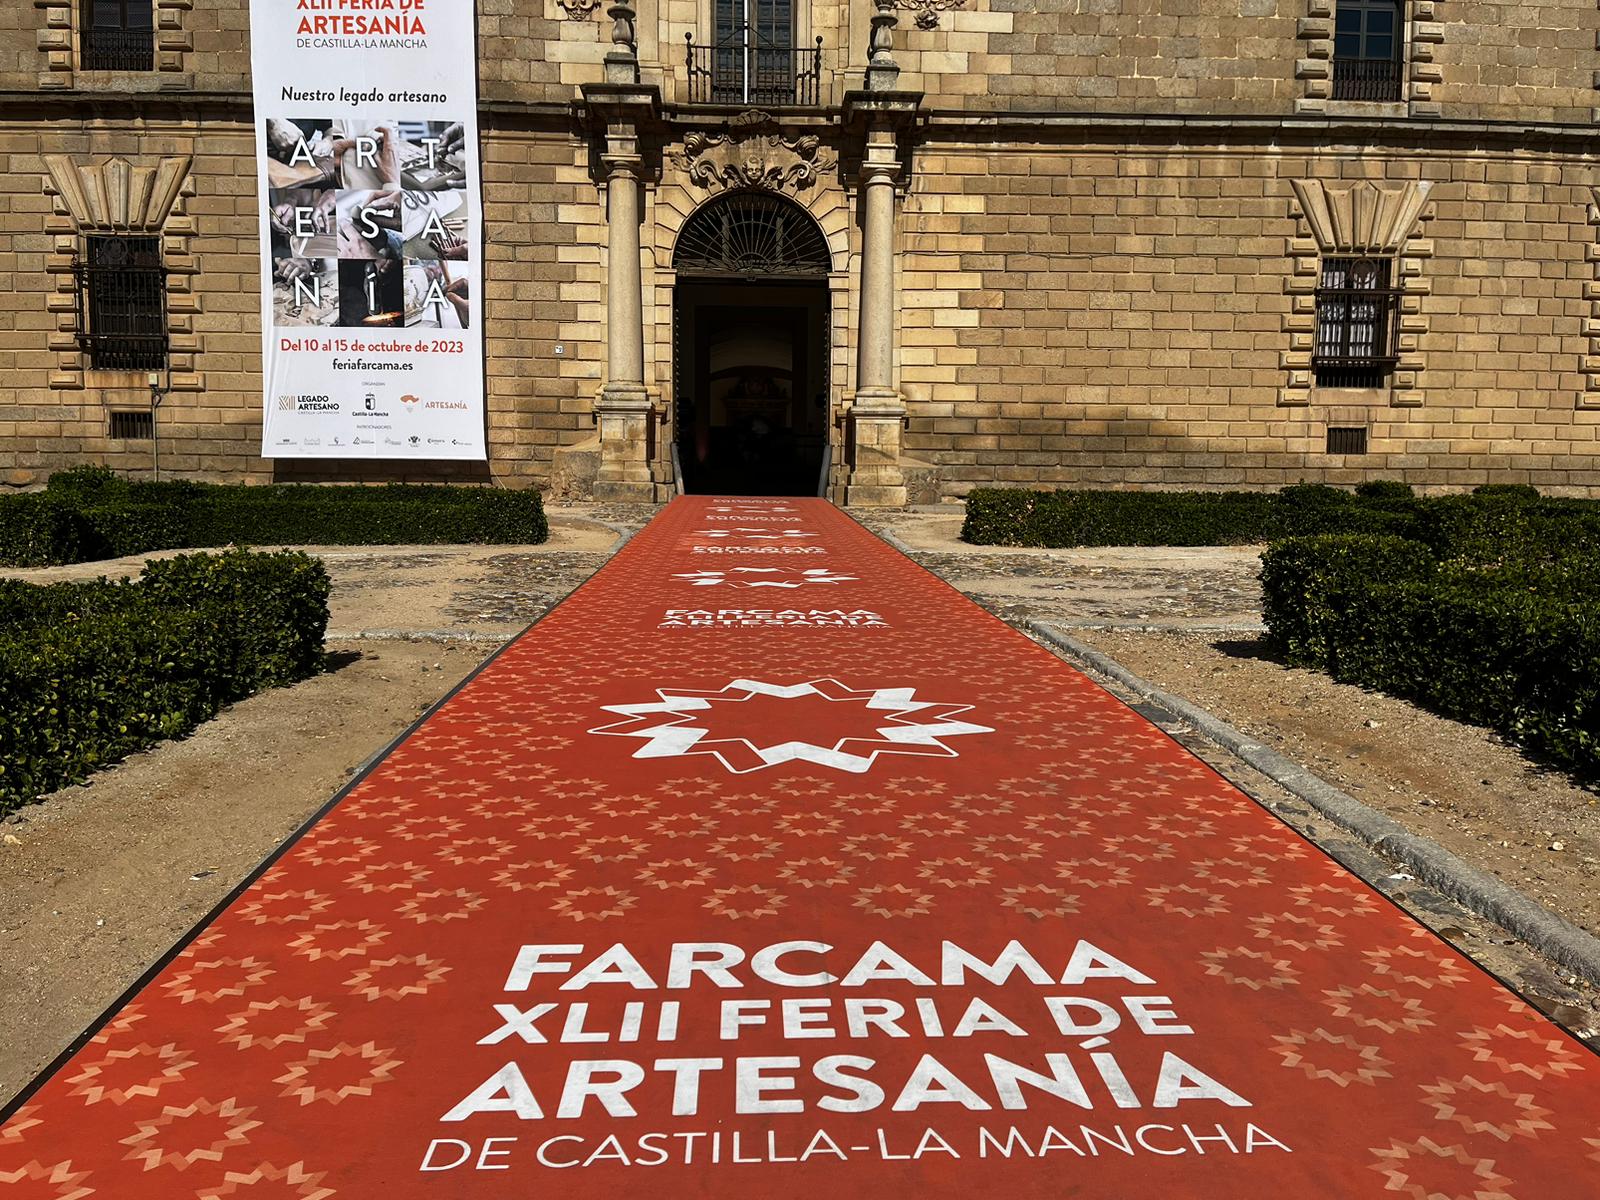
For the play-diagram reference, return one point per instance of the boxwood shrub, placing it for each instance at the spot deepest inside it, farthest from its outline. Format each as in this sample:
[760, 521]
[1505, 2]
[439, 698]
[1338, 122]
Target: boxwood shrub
[37, 530]
[1480, 526]
[90, 672]
[89, 513]
[1066, 517]
[1493, 637]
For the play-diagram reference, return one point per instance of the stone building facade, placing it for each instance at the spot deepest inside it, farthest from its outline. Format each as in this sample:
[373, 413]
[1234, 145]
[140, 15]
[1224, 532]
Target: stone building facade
[922, 246]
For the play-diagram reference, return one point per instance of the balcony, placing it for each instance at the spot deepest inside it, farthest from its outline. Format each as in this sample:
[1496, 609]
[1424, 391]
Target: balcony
[1366, 79]
[743, 68]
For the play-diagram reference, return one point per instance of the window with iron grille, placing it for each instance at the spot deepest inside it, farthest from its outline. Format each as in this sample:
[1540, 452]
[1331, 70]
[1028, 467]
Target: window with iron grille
[753, 59]
[116, 35]
[1357, 315]
[122, 303]
[1347, 439]
[1367, 36]
[134, 425]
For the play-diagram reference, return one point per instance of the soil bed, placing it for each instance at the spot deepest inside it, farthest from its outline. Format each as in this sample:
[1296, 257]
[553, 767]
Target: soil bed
[1460, 786]
[103, 878]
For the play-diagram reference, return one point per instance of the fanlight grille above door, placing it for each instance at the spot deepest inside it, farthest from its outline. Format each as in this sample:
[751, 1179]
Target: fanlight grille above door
[752, 235]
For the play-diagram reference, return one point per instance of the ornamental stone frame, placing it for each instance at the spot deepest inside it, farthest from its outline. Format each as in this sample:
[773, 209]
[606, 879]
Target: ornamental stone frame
[1359, 220]
[57, 40]
[627, 129]
[1422, 33]
[672, 203]
[1590, 396]
[119, 197]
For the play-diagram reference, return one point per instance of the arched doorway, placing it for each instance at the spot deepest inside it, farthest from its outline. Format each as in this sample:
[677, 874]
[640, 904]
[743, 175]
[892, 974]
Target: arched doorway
[750, 347]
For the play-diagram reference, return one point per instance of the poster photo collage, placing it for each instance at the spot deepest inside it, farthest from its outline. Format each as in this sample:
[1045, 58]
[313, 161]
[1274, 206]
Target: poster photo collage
[369, 223]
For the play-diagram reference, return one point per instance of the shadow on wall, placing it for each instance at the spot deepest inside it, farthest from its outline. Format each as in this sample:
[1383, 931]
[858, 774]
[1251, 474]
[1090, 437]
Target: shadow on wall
[344, 470]
[1115, 445]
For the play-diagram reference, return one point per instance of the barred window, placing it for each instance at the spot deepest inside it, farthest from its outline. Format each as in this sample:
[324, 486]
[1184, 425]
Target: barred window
[1367, 36]
[117, 35]
[1347, 439]
[122, 304]
[1357, 314]
[135, 425]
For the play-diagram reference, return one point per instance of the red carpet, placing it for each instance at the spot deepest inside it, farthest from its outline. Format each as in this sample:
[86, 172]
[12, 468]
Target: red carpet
[768, 865]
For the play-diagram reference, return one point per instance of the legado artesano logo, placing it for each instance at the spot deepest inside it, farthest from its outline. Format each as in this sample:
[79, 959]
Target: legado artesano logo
[307, 403]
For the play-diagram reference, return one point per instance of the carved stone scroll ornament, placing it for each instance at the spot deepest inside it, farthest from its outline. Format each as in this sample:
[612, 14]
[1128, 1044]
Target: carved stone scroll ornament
[928, 10]
[578, 10]
[753, 153]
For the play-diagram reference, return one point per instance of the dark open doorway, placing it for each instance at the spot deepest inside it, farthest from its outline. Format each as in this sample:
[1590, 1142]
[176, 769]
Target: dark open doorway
[750, 371]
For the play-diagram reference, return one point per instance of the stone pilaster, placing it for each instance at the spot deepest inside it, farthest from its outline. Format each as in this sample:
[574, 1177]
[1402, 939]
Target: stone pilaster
[623, 409]
[621, 110]
[878, 411]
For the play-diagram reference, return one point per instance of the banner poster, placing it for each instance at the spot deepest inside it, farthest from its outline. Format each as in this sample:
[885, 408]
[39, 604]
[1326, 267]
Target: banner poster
[371, 260]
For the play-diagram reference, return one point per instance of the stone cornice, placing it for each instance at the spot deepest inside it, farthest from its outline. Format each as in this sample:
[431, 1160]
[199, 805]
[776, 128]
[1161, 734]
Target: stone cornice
[1422, 132]
[931, 124]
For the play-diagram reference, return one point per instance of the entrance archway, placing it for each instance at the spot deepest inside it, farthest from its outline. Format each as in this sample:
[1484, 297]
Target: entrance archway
[750, 347]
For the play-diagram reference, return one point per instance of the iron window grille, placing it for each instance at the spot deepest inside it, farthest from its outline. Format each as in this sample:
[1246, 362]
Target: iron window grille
[116, 35]
[752, 58]
[1358, 315]
[1367, 37]
[122, 303]
[1347, 439]
[134, 425]
[751, 235]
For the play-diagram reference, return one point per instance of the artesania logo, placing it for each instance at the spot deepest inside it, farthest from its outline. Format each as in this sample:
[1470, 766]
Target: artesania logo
[456, 405]
[409, 400]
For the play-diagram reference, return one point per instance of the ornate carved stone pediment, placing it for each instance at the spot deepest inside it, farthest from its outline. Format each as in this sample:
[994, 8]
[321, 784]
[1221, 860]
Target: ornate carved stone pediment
[753, 153]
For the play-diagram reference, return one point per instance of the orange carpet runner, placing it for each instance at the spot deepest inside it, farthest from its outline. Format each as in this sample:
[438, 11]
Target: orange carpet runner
[769, 865]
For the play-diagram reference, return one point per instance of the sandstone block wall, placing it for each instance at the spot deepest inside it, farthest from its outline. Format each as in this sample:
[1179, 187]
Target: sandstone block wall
[1098, 289]
[543, 290]
[1094, 315]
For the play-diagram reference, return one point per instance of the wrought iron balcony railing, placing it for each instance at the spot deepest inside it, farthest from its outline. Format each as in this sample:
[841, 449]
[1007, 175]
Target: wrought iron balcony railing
[1366, 79]
[101, 49]
[743, 68]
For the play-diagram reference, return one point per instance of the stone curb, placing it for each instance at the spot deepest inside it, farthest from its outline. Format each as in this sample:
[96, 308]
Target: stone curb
[416, 635]
[1551, 935]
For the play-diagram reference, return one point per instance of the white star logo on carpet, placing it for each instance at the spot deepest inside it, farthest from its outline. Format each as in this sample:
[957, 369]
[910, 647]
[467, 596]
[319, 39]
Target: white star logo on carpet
[746, 577]
[866, 723]
[755, 533]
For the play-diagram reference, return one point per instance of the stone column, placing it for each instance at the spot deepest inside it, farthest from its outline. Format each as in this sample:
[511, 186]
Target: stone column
[624, 410]
[877, 413]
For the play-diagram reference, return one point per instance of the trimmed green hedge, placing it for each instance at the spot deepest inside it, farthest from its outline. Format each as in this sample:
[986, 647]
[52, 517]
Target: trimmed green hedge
[89, 513]
[1504, 636]
[1480, 525]
[91, 672]
[1021, 517]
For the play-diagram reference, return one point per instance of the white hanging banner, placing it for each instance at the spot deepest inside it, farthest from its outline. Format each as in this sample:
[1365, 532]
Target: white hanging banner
[371, 256]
